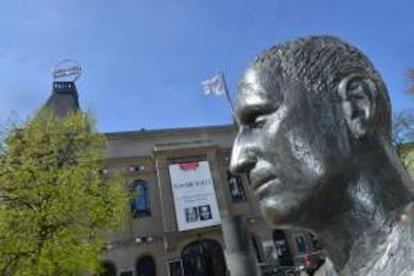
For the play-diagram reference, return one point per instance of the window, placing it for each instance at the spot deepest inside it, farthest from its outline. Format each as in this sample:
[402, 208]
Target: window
[140, 203]
[236, 187]
[175, 268]
[300, 243]
[283, 249]
[315, 242]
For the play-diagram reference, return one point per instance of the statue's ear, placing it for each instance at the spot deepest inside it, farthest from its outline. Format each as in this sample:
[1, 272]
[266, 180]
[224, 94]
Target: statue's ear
[358, 94]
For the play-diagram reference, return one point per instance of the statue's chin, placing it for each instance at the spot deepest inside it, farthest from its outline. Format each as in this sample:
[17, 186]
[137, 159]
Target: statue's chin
[278, 212]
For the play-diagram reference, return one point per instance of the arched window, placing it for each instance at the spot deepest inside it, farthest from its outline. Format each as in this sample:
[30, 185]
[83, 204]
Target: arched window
[236, 187]
[145, 266]
[140, 203]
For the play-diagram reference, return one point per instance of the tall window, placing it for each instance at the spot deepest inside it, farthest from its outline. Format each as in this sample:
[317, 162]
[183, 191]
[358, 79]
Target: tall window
[236, 187]
[140, 203]
[300, 243]
[175, 267]
[282, 248]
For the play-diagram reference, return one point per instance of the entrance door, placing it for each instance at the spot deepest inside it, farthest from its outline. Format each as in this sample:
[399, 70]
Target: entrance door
[145, 266]
[203, 258]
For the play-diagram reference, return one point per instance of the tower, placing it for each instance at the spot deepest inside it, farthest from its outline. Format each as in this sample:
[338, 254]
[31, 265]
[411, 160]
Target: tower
[64, 98]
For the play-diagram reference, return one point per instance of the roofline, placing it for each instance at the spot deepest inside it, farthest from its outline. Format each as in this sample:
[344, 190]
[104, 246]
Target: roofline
[170, 131]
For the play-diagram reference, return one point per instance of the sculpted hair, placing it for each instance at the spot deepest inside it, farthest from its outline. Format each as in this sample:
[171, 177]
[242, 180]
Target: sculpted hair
[320, 63]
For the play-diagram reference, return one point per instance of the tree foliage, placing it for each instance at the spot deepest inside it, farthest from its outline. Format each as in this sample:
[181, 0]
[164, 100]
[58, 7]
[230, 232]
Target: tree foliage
[54, 202]
[403, 127]
[403, 137]
[406, 153]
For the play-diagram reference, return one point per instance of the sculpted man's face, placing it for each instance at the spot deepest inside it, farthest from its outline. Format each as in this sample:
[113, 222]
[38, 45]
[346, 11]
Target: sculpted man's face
[284, 145]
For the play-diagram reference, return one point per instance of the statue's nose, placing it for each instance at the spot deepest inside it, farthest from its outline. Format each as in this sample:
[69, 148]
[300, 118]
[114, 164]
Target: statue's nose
[243, 158]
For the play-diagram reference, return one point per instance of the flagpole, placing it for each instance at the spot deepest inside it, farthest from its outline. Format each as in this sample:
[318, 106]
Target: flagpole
[226, 91]
[240, 259]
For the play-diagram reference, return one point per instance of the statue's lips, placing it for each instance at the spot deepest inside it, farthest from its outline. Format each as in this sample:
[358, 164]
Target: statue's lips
[261, 185]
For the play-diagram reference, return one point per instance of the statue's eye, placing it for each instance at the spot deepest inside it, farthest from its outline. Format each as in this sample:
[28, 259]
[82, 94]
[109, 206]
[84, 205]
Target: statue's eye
[258, 122]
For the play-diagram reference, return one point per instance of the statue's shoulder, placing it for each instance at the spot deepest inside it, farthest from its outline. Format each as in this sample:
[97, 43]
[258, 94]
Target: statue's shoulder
[407, 224]
[399, 257]
[395, 257]
[327, 269]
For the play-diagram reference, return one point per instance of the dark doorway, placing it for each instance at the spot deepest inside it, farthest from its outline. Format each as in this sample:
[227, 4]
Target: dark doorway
[146, 266]
[203, 258]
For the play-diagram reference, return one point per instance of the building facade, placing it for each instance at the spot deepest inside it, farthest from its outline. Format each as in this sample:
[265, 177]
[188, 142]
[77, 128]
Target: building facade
[172, 219]
[182, 191]
[185, 203]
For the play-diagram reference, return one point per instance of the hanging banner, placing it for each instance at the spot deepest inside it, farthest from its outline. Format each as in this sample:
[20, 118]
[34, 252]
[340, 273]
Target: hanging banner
[194, 195]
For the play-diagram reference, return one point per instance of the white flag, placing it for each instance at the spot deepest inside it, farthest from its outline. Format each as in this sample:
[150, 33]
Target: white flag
[214, 86]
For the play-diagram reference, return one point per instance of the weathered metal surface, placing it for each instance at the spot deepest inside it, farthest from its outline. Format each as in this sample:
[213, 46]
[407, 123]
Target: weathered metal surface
[314, 140]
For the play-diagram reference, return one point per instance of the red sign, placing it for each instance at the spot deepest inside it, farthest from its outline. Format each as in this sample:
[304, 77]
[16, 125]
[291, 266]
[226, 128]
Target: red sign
[188, 166]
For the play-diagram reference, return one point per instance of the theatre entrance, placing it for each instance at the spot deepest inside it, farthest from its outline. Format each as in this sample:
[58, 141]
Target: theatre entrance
[203, 257]
[145, 266]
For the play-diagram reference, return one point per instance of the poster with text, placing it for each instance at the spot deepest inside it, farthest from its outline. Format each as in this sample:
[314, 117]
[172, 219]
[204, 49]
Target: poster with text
[194, 195]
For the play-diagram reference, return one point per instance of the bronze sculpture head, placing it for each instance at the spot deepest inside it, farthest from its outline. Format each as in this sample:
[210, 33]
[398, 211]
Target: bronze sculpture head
[314, 140]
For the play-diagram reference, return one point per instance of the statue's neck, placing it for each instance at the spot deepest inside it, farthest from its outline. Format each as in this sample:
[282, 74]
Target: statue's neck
[371, 204]
[354, 238]
[392, 253]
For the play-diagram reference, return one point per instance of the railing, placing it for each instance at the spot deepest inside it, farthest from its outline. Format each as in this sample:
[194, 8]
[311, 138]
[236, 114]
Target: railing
[277, 270]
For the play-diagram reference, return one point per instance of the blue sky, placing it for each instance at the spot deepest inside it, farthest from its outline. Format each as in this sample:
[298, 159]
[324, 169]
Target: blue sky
[143, 61]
